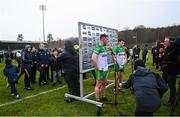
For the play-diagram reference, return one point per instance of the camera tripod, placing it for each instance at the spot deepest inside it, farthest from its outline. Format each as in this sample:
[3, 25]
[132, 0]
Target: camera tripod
[115, 88]
[177, 100]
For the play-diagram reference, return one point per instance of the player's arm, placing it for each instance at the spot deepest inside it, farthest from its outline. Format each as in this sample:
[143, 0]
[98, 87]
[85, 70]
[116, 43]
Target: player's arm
[94, 61]
[125, 59]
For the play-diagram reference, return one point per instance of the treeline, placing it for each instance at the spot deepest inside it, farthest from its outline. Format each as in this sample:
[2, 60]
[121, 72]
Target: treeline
[59, 43]
[148, 35]
[144, 36]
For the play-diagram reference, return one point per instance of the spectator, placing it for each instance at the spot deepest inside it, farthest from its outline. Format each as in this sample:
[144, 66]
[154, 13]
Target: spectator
[144, 53]
[169, 64]
[56, 67]
[11, 72]
[155, 55]
[34, 64]
[42, 62]
[136, 51]
[26, 67]
[47, 72]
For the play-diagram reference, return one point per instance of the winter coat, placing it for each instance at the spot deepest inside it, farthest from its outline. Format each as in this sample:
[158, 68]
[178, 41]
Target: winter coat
[42, 57]
[11, 72]
[70, 61]
[146, 87]
[54, 63]
[26, 59]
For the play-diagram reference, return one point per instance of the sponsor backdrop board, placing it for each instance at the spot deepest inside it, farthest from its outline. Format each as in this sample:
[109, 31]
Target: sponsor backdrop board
[89, 36]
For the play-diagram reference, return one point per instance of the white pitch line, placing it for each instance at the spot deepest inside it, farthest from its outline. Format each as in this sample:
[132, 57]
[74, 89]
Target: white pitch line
[32, 96]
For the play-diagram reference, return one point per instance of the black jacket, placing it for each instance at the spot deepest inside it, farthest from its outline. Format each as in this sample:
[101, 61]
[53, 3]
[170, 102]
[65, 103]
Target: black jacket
[70, 61]
[42, 57]
[155, 52]
[34, 58]
[169, 61]
[54, 63]
[146, 89]
[26, 59]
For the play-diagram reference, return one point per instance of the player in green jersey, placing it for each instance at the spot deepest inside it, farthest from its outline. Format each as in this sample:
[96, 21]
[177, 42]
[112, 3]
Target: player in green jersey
[99, 60]
[121, 59]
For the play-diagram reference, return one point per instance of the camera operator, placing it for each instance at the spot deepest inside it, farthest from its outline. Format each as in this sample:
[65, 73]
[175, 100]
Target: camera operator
[148, 88]
[169, 62]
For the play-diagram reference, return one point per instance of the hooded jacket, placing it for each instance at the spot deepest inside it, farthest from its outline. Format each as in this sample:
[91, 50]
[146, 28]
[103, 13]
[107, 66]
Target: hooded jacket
[11, 72]
[145, 86]
[69, 59]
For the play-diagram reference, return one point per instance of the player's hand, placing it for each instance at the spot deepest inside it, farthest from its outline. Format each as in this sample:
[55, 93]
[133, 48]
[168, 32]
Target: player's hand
[120, 67]
[115, 59]
[125, 61]
[109, 48]
[100, 69]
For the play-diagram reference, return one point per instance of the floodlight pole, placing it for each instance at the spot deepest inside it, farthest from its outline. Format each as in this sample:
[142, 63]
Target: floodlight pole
[43, 8]
[136, 39]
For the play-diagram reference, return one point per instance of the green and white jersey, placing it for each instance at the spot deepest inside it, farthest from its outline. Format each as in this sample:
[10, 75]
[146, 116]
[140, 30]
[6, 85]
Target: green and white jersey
[120, 55]
[102, 56]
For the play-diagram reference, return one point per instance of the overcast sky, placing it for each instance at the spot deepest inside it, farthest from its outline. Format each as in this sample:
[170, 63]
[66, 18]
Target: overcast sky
[62, 16]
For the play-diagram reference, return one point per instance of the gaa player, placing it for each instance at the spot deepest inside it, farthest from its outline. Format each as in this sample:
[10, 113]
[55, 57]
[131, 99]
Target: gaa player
[99, 59]
[121, 59]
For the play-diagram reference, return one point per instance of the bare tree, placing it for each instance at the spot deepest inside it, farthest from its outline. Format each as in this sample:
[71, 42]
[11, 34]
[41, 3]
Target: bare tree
[50, 38]
[20, 37]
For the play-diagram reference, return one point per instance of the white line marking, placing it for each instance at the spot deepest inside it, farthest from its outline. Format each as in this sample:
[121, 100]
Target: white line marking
[32, 96]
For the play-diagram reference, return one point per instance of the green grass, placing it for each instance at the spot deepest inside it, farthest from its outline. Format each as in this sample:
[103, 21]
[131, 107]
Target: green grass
[53, 103]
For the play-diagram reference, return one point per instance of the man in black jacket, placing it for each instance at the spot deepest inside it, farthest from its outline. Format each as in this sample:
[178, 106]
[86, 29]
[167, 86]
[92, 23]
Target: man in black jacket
[26, 66]
[169, 66]
[148, 89]
[70, 63]
[42, 62]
